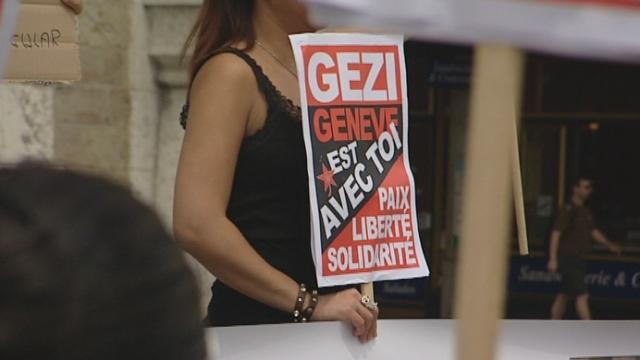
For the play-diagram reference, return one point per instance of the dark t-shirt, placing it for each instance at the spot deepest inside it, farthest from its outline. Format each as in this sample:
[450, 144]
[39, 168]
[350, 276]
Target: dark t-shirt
[576, 225]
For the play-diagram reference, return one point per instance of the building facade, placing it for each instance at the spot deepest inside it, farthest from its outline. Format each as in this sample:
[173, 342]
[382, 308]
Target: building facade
[121, 121]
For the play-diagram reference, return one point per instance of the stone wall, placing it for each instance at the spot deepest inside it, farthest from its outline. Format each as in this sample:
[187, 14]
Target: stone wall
[26, 122]
[106, 123]
[169, 23]
[121, 120]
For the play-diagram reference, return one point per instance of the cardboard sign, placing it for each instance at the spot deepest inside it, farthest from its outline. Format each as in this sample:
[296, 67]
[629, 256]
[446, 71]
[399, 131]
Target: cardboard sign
[8, 10]
[44, 45]
[354, 106]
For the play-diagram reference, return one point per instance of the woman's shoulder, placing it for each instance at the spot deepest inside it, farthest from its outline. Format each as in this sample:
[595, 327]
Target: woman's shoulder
[223, 88]
[225, 69]
[227, 79]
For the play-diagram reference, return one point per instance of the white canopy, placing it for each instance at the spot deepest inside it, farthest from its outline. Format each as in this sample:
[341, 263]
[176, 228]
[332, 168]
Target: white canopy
[8, 17]
[598, 29]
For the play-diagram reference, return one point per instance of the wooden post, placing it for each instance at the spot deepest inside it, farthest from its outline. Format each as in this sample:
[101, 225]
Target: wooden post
[562, 166]
[482, 262]
[367, 289]
[518, 194]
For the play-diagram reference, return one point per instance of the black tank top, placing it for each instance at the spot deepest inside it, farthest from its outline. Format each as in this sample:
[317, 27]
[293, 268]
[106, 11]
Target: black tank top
[269, 204]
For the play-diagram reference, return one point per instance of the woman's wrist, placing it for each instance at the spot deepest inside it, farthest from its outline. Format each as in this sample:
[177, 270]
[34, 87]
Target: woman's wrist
[305, 304]
[320, 314]
[299, 304]
[310, 306]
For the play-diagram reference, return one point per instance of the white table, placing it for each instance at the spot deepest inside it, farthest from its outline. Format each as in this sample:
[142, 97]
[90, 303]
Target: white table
[424, 339]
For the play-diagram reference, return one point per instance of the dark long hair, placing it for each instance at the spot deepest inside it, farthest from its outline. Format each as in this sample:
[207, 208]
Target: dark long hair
[220, 23]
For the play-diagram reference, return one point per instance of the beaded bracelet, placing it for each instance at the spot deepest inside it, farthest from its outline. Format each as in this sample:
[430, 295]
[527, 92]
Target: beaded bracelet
[297, 310]
[308, 312]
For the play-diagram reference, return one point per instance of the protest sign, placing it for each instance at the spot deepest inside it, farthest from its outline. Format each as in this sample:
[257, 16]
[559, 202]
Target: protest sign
[605, 29]
[8, 11]
[44, 45]
[355, 113]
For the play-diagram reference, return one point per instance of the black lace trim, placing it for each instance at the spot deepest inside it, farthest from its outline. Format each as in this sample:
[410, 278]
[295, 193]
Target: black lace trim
[184, 115]
[276, 101]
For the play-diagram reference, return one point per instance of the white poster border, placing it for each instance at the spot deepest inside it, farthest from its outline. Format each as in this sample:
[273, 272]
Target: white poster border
[341, 39]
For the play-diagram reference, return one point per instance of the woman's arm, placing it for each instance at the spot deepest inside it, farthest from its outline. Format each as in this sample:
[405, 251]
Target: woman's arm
[223, 100]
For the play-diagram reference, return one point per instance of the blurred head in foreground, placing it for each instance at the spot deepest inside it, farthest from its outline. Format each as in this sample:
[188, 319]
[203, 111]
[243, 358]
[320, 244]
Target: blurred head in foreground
[87, 272]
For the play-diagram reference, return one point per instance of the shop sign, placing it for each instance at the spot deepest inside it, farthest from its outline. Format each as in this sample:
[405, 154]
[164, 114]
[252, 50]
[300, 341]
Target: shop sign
[607, 279]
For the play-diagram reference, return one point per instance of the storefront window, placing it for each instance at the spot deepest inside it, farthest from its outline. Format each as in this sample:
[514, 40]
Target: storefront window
[541, 144]
[608, 151]
[554, 153]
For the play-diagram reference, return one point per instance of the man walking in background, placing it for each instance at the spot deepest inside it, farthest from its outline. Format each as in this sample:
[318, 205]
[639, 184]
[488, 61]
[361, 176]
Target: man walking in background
[570, 244]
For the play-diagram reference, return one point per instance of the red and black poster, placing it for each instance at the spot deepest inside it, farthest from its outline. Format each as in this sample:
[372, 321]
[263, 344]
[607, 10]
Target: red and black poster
[354, 105]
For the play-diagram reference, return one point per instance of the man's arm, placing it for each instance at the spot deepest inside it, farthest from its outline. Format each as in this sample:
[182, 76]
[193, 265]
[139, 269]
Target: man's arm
[553, 250]
[599, 237]
[560, 226]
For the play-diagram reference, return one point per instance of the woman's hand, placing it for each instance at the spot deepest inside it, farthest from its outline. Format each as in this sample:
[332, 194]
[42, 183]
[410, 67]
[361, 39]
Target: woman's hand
[75, 5]
[347, 306]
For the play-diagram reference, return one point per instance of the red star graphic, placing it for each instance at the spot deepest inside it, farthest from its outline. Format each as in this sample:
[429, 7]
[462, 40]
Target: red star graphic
[327, 178]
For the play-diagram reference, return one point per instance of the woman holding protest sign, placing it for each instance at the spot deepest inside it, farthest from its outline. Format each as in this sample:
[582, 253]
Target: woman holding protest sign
[242, 201]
